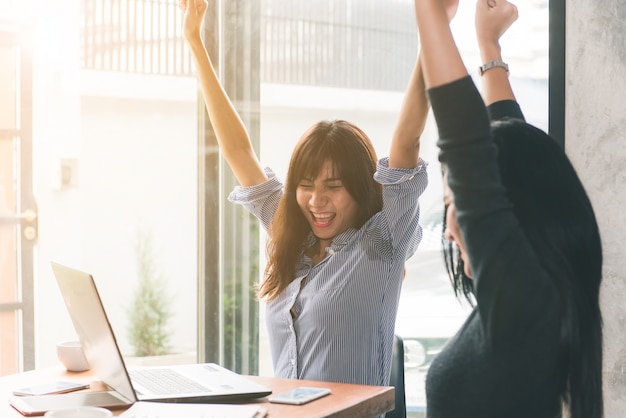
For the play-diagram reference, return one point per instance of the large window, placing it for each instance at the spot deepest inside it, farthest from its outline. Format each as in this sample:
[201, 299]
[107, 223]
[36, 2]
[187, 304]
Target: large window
[130, 186]
[351, 60]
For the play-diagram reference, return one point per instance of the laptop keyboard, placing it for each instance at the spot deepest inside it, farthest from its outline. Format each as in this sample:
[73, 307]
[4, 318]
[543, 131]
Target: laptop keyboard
[165, 381]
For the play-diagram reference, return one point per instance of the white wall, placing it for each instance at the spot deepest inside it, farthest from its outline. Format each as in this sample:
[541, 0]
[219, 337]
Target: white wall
[595, 127]
[137, 169]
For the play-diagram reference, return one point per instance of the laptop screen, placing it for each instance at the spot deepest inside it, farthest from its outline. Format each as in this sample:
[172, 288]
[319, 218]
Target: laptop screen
[93, 328]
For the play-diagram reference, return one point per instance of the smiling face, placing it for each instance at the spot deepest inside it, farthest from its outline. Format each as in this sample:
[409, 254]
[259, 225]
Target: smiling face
[326, 204]
[452, 232]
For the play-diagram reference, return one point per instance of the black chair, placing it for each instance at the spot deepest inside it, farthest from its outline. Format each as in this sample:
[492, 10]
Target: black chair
[397, 379]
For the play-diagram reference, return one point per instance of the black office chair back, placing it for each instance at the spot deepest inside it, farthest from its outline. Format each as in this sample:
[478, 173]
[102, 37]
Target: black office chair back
[397, 379]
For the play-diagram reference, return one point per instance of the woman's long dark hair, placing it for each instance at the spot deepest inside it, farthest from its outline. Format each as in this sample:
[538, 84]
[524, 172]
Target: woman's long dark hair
[556, 215]
[354, 160]
[462, 285]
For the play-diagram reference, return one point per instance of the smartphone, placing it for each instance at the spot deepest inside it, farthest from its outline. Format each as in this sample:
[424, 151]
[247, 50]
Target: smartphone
[50, 388]
[299, 395]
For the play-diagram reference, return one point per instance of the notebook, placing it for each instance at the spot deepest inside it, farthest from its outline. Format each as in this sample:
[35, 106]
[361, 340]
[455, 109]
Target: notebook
[196, 383]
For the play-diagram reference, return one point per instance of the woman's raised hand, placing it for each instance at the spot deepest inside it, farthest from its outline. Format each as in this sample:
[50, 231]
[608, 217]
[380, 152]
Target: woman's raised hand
[493, 18]
[194, 16]
[441, 60]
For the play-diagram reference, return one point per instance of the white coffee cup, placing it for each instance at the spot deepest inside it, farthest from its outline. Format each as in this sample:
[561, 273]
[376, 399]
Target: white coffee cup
[79, 412]
[70, 354]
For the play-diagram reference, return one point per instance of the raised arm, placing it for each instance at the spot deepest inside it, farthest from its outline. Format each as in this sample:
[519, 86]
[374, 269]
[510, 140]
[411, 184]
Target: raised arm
[232, 136]
[441, 60]
[493, 18]
[405, 143]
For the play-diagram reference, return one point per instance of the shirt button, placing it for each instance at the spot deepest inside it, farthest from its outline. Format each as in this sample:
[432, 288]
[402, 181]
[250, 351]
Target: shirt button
[331, 251]
[290, 327]
[293, 362]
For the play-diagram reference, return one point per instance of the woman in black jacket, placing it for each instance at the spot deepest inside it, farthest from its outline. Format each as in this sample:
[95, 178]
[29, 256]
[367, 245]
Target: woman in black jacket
[525, 242]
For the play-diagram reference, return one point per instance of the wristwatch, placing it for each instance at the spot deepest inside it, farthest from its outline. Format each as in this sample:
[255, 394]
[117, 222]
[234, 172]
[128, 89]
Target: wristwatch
[493, 64]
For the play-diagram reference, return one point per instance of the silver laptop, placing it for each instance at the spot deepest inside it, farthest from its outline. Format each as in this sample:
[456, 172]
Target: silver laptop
[197, 383]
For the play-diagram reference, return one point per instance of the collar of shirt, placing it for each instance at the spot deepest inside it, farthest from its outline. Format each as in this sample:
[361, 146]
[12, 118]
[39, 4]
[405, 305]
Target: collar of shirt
[337, 243]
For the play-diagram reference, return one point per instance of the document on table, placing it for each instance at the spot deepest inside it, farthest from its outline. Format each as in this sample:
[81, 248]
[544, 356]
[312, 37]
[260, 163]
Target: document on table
[188, 410]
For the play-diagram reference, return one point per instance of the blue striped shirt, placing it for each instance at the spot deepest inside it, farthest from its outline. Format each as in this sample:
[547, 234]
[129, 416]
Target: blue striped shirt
[347, 303]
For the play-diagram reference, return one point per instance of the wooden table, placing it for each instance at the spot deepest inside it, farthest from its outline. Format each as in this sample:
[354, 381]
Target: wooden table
[345, 401]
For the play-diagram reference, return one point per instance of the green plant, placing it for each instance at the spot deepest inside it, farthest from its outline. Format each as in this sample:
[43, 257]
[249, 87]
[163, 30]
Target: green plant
[150, 311]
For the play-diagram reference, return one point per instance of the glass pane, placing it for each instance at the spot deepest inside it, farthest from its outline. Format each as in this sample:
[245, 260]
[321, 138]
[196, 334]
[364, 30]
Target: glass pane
[7, 7]
[330, 60]
[8, 87]
[8, 229]
[137, 216]
[8, 264]
[8, 343]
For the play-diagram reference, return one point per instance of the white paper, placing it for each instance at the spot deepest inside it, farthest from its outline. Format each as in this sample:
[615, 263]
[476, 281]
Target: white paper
[188, 410]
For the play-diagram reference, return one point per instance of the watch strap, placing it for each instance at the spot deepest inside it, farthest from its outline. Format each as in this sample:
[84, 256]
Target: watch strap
[493, 64]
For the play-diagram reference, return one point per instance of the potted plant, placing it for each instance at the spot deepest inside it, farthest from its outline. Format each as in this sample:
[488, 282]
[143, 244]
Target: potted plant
[150, 311]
